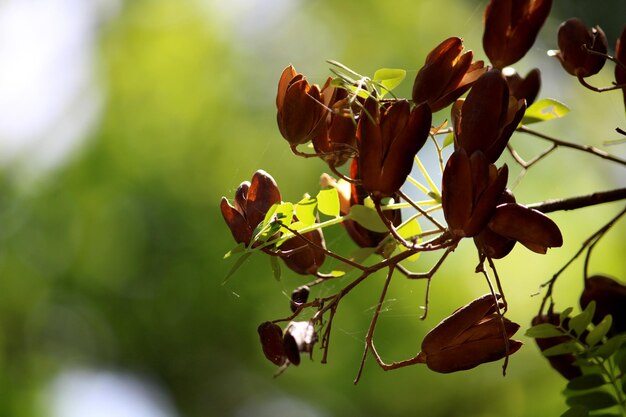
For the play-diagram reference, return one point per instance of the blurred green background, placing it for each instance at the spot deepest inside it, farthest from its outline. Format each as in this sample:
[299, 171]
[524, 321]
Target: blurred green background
[111, 264]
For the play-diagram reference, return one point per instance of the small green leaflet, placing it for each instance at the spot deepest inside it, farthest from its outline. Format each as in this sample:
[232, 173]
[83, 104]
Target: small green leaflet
[275, 267]
[408, 230]
[586, 382]
[546, 109]
[328, 202]
[567, 347]
[576, 411]
[543, 330]
[449, 140]
[593, 401]
[388, 79]
[598, 332]
[240, 261]
[368, 218]
[305, 210]
[580, 322]
[237, 249]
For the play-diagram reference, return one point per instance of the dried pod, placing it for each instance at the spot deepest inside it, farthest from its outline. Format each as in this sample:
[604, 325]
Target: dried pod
[388, 140]
[252, 201]
[446, 75]
[511, 27]
[486, 119]
[489, 242]
[271, 337]
[523, 88]
[610, 298]
[336, 138]
[575, 43]
[299, 296]
[303, 257]
[563, 364]
[529, 227]
[470, 336]
[470, 191]
[299, 338]
[300, 107]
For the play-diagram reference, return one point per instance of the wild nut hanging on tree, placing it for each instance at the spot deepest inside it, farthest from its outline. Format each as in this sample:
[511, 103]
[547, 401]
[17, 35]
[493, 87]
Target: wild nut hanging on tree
[471, 188]
[446, 75]
[301, 107]
[576, 46]
[470, 336]
[525, 88]
[389, 137]
[252, 201]
[487, 118]
[335, 139]
[511, 27]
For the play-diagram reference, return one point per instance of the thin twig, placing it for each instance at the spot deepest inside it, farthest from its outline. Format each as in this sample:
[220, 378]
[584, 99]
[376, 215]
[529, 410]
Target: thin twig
[585, 148]
[574, 203]
[370, 331]
[591, 240]
[421, 210]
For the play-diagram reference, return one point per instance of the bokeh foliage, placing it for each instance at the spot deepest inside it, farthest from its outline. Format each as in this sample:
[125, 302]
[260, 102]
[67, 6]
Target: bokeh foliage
[114, 261]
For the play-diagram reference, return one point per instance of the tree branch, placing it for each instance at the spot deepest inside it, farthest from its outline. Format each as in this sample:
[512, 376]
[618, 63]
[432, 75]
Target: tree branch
[574, 203]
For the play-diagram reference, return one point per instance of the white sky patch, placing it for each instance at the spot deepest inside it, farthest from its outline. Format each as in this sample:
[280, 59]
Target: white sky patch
[48, 97]
[82, 393]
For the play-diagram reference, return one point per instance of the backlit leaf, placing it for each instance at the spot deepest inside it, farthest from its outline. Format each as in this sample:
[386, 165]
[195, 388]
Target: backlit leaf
[593, 400]
[567, 347]
[576, 411]
[565, 314]
[544, 330]
[611, 346]
[240, 261]
[542, 110]
[389, 78]
[328, 202]
[305, 210]
[368, 218]
[275, 267]
[598, 332]
[586, 382]
[237, 249]
[449, 140]
[580, 322]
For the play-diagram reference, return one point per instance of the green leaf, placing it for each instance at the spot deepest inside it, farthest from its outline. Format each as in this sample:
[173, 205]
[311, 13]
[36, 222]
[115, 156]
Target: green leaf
[567, 347]
[449, 140]
[305, 210]
[544, 330]
[337, 273]
[583, 362]
[593, 400]
[408, 230]
[598, 332]
[611, 346]
[328, 202]
[389, 78]
[237, 249]
[542, 110]
[282, 212]
[565, 314]
[576, 411]
[275, 267]
[620, 360]
[580, 322]
[240, 261]
[368, 218]
[586, 382]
